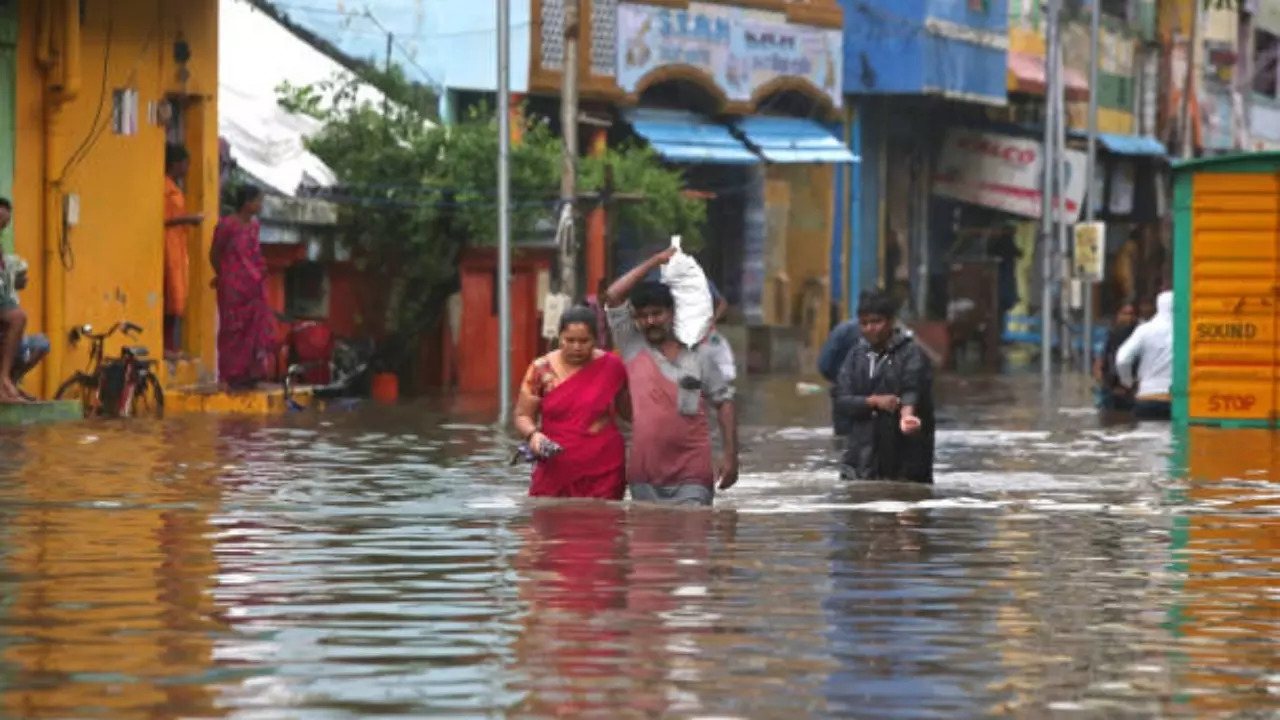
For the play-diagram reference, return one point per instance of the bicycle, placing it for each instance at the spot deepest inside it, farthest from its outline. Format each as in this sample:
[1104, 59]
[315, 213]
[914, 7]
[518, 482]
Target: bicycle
[346, 368]
[310, 355]
[126, 386]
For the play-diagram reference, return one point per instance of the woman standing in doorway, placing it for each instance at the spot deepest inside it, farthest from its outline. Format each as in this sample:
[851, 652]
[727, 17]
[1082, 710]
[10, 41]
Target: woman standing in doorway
[246, 328]
[177, 225]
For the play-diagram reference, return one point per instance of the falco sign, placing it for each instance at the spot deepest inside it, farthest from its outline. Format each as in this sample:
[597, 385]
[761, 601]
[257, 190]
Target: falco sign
[1004, 172]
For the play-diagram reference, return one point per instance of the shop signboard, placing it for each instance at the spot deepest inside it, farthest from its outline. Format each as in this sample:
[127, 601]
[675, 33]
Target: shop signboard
[1004, 172]
[742, 49]
[1089, 251]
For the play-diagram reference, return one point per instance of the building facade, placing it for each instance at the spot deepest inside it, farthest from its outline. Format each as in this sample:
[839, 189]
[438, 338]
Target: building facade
[741, 97]
[947, 106]
[1234, 100]
[912, 70]
[744, 98]
[1130, 182]
[98, 87]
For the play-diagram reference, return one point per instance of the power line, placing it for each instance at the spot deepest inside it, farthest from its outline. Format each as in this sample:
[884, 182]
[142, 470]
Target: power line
[408, 56]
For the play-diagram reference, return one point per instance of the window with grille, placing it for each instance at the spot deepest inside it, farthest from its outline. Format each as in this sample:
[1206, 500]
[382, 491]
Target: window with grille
[552, 55]
[604, 37]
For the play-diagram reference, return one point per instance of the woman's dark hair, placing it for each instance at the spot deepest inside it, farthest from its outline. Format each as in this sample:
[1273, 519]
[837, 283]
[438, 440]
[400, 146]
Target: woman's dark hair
[243, 195]
[652, 293]
[876, 302]
[578, 315]
[174, 154]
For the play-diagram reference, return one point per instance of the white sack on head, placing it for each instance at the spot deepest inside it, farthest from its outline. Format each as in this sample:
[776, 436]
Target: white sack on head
[694, 311]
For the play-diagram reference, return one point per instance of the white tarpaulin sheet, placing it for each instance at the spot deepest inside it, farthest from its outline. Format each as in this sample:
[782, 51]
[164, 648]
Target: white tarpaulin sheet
[256, 55]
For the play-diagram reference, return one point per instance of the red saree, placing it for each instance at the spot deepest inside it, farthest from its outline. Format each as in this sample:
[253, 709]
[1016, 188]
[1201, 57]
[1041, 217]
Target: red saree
[246, 326]
[593, 464]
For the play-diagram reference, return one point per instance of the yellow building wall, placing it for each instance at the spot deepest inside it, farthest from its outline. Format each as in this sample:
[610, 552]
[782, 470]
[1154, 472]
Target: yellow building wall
[109, 266]
[808, 245]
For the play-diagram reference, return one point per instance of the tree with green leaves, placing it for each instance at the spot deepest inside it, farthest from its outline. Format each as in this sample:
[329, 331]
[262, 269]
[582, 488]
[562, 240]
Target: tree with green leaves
[413, 194]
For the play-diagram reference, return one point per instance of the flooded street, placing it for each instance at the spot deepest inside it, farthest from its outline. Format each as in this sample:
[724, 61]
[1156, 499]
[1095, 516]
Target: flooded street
[384, 563]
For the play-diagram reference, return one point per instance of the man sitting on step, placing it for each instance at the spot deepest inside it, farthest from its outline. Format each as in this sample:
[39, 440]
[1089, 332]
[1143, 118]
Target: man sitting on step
[19, 353]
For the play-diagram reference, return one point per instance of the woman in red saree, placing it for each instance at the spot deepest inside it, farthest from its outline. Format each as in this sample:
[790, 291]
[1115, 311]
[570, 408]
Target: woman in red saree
[246, 325]
[578, 391]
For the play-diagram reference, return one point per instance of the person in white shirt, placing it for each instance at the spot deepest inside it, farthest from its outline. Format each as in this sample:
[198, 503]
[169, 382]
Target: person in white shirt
[1151, 344]
[720, 348]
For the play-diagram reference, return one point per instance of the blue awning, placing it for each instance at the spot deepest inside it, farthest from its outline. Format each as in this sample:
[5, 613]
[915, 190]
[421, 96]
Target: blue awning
[686, 137]
[1127, 144]
[793, 140]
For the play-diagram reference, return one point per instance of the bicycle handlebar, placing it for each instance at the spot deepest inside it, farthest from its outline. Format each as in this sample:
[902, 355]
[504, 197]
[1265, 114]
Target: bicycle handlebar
[86, 331]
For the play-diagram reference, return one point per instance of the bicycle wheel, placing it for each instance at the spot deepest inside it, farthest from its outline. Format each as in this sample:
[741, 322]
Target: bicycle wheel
[148, 398]
[79, 387]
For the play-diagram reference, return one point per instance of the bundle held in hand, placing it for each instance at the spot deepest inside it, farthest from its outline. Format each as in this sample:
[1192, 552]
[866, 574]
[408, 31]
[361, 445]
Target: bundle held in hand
[694, 311]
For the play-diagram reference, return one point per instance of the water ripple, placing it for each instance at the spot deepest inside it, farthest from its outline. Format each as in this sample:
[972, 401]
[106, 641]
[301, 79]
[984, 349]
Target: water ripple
[385, 563]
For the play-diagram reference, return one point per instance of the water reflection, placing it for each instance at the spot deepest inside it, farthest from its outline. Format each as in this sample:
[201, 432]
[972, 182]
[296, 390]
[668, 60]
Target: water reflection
[616, 599]
[1228, 615]
[107, 569]
[383, 562]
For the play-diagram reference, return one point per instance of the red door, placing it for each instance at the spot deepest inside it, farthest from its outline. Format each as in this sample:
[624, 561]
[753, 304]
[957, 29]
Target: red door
[477, 350]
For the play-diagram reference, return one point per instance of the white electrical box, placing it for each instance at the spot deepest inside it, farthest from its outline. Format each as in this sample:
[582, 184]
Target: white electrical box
[71, 209]
[124, 111]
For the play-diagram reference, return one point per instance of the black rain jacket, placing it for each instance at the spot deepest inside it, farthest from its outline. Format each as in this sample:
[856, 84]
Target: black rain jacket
[875, 447]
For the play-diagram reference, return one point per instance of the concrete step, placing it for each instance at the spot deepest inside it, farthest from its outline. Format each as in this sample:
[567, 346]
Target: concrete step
[210, 399]
[40, 412]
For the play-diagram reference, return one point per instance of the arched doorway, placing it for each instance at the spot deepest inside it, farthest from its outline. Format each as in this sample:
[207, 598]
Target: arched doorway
[724, 185]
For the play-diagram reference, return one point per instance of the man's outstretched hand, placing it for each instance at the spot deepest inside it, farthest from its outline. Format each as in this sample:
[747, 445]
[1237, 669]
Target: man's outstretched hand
[728, 473]
[910, 424]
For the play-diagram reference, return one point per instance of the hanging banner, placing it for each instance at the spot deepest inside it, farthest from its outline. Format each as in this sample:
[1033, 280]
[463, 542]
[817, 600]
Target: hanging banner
[1089, 251]
[743, 50]
[1004, 172]
[1123, 180]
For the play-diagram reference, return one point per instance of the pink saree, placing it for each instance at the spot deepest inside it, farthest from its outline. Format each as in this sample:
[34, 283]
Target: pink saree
[246, 325]
[593, 464]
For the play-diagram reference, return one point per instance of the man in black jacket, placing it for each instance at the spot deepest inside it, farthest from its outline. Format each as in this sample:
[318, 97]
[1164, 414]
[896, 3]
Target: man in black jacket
[884, 396]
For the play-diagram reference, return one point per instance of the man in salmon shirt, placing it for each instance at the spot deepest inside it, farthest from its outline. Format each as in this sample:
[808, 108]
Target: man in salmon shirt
[672, 389]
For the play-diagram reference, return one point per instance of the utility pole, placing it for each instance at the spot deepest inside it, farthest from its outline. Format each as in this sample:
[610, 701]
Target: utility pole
[504, 213]
[1243, 96]
[569, 131]
[386, 101]
[1184, 113]
[1050, 160]
[1066, 348]
[1090, 202]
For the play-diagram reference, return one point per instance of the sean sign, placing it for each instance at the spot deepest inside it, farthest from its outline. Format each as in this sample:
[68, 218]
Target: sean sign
[741, 49]
[1004, 172]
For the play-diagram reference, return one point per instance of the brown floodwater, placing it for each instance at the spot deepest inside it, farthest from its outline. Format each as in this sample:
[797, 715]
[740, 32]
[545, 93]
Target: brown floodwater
[384, 563]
